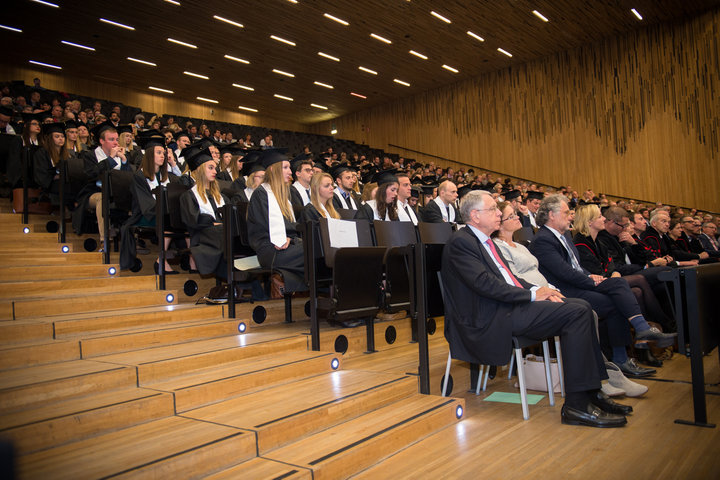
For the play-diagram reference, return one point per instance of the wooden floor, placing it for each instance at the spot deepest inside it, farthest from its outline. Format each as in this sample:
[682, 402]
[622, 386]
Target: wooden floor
[92, 386]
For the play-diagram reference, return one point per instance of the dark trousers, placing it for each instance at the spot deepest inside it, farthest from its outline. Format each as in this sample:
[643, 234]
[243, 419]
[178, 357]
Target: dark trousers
[574, 322]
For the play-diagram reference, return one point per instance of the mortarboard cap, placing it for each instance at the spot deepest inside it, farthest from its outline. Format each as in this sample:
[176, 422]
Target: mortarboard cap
[150, 139]
[198, 157]
[71, 124]
[386, 176]
[533, 195]
[124, 129]
[29, 117]
[50, 128]
[512, 195]
[415, 192]
[98, 129]
[272, 156]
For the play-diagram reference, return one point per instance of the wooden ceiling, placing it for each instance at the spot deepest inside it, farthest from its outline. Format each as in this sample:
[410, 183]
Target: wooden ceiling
[409, 25]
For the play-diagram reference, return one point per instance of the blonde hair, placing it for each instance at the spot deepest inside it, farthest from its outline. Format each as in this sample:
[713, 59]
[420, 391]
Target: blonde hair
[315, 198]
[122, 140]
[274, 177]
[203, 184]
[367, 191]
[584, 214]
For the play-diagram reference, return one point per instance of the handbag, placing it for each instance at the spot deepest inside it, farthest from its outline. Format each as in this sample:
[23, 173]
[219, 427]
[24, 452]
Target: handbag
[535, 373]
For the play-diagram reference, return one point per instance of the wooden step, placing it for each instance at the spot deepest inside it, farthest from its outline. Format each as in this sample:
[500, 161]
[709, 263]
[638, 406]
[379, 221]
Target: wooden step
[355, 445]
[43, 383]
[38, 258]
[168, 361]
[41, 248]
[52, 272]
[54, 288]
[132, 318]
[53, 424]
[31, 307]
[20, 331]
[263, 468]
[172, 447]
[166, 335]
[30, 238]
[16, 356]
[283, 414]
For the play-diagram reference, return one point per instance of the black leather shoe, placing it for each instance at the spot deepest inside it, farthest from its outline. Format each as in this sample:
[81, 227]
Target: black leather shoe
[647, 357]
[492, 372]
[605, 403]
[652, 334]
[631, 369]
[592, 416]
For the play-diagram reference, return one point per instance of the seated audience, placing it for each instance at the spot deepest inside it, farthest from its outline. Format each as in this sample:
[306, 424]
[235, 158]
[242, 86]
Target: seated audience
[47, 159]
[442, 208]
[405, 212]
[345, 196]
[656, 238]
[708, 240]
[300, 194]
[321, 195]
[384, 205]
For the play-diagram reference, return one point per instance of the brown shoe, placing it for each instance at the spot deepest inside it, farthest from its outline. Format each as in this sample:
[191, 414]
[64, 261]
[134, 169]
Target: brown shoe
[277, 286]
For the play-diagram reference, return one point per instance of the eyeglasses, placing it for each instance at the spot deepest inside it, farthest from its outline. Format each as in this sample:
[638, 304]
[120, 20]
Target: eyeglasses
[509, 217]
[493, 209]
[621, 225]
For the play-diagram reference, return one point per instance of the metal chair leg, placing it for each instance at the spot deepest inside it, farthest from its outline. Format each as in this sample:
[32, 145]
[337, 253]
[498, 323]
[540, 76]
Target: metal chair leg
[479, 379]
[512, 362]
[548, 372]
[561, 373]
[447, 375]
[521, 383]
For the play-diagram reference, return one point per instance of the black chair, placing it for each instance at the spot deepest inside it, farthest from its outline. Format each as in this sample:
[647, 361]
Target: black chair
[524, 236]
[433, 237]
[401, 239]
[116, 204]
[346, 213]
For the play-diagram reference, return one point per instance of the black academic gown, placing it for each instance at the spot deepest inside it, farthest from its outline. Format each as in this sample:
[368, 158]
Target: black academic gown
[14, 162]
[309, 212]
[224, 175]
[290, 262]
[134, 157]
[44, 173]
[206, 238]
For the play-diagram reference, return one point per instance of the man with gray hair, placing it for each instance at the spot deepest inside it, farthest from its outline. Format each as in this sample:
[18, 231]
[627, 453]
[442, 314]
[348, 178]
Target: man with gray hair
[485, 305]
[611, 298]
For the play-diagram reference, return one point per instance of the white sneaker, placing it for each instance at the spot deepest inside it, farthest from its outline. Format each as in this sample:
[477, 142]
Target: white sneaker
[611, 391]
[618, 380]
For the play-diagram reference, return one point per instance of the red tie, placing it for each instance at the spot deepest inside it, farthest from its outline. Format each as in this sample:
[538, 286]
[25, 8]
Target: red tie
[502, 264]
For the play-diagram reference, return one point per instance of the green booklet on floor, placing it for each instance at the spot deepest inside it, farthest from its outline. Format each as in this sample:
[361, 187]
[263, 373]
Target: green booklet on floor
[505, 397]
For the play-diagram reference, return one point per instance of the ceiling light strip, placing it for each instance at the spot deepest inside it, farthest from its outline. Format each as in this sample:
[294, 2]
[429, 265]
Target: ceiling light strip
[247, 108]
[117, 24]
[358, 95]
[382, 39]
[49, 65]
[226, 20]
[85, 47]
[244, 87]
[336, 19]
[336, 59]
[174, 2]
[280, 39]
[326, 85]
[452, 69]
[437, 15]
[283, 97]
[47, 4]
[184, 44]
[475, 36]
[504, 52]
[144, 62]
[12, 29]
[367, 70]
[540, 16]
[158, 89]
[280, 72]
[401, 82]
[636, 13]
[237, 59]
[321, 107]
[418, 54]
[204, 77]
[207, 99]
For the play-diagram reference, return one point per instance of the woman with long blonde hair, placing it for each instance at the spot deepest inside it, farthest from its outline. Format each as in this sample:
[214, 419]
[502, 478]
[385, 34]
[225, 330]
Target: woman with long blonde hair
[271, 223]
[321, 199]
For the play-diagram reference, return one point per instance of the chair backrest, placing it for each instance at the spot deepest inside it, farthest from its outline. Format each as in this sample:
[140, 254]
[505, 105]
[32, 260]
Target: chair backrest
[434, 233]
[362, 232]
[346, 213]
[395, 234]
[433, 237]
[120, 189]
[175, 190]
[525, 235]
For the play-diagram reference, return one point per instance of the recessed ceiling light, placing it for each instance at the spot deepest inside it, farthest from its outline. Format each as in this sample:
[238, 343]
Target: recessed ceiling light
[292, 1]
[184, 44]
[241, 60]
[367, 70]
[280, 39]
[401, 82]
[358, 95]
[338, 20]
[244, 87]
[223, 19]
[116, 24]
[77, 45]
[48, 4]
[161, 89]
[448, 67]
[328, 56]
[174, 2]
[207, 99]
[321, 107]
[280, 72]
[333, 131]
[12, 29]
[418, 54]
[475, 36]
[247, 108]
[505, 52]
[437, 15]
[144, 62]
[636, 13]
[323, 85]
[196, 75]
[382, 39]
[45, 64]
[540, 16]
[283, 97]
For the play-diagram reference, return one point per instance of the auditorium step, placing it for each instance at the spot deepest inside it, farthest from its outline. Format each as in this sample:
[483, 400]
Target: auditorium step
[32, 307]
[145, 318]
[55, 259]
[51, 272]
[263, 468]
[29, 354]
[14, 332]
[45, 383]
[352, 446]
[283, 414]
[172, 447]
[53, 424]
[64, 287]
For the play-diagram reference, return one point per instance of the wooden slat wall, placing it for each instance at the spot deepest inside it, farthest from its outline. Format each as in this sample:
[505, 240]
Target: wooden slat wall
[161, 104]
[637, 115]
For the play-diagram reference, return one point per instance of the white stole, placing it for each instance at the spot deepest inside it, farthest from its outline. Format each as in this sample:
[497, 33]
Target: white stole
[376, 215]
[206, 206]
[403, 215]
[100, 156]
[153, 184]
[444, 210]
[303, 193]
[352, 205]
[276, 221]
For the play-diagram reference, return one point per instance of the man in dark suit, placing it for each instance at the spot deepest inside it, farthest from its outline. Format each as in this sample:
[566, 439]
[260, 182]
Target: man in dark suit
[344, 194]
[529, 210]
[707, 239]
[611, 298]
[485, 305]
[442, 208]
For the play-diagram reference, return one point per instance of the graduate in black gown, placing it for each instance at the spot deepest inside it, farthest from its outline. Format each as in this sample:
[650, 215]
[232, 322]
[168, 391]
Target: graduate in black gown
[200, 211]
[271, 223]
[255, 173]
[125, 139]
[47, 158]
[229, 170]
[321, 199]
[384, 205]
[153, 172]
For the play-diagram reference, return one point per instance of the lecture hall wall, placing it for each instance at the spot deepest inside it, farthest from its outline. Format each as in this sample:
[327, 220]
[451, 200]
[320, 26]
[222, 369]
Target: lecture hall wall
[635, 115]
